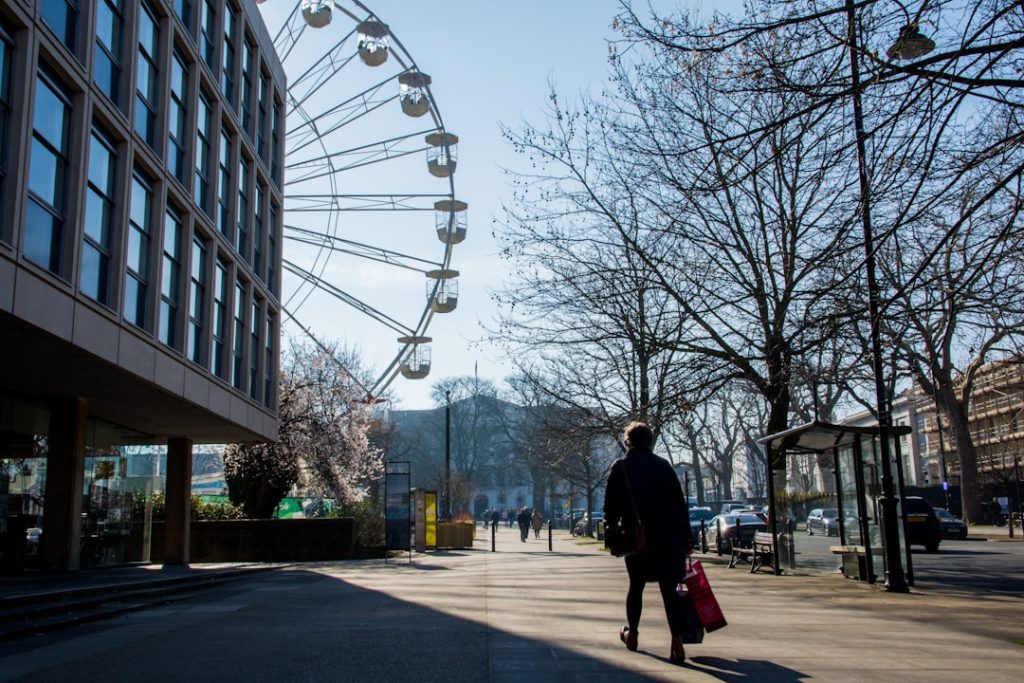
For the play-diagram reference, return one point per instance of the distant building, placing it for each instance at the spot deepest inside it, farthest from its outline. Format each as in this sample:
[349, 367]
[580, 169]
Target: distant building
[140, 257]
[996, 424]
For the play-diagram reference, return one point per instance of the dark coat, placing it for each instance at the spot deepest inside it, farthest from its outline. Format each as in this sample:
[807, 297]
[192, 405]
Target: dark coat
[662, 508]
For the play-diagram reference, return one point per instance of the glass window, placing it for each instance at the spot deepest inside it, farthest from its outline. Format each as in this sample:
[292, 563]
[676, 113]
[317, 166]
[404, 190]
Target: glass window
[220, 314]
[6, 57]
[275, 147]
[268, 362]
[106, 66]
[203, 160]
[183, 9]
[238, 336]
[257, 231]
[272, 249]
[197, 302]
[139, 232]
[176, 119]
[208, 32]
[224, 184]
[242, 236]
[263, 118]
[170, 279]
[227, 73]
[48, 167]
[248, 72]
[94, 279]
[254, 348]
[62, 18]
[146, 101]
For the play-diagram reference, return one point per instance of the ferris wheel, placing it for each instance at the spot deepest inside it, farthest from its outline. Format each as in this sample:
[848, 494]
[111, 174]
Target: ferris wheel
[370, 211]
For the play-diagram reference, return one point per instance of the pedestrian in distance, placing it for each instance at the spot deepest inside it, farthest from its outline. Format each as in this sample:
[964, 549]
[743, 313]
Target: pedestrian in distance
[643, 485]
[495, 518]
[995, 509]
[536, 522]
[524, 524]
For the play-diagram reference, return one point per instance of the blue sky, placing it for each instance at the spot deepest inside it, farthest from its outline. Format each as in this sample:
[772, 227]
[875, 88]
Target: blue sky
[490, 63]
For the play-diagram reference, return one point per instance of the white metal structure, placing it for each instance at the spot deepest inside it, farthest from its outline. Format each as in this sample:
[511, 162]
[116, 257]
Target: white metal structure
[357, 198]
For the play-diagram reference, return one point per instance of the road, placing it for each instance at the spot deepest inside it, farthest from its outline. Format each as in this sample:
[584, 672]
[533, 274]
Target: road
[980, 567]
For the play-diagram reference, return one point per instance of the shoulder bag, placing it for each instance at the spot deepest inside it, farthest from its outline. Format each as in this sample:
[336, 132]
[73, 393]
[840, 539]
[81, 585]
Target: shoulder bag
[627, 536]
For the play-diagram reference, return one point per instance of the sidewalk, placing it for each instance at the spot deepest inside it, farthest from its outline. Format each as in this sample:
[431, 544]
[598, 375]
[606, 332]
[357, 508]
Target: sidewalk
[989, 532]
[556, 616]
[524, 614]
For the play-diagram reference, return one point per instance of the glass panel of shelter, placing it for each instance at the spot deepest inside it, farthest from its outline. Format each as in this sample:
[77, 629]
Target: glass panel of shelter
[845, 485]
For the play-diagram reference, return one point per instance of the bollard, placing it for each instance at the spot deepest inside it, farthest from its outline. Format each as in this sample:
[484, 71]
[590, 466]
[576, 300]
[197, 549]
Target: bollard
[494, 530]
[703, 537]
[549, 535]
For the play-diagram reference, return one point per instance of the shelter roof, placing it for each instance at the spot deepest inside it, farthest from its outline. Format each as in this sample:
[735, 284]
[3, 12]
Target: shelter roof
[816, 436]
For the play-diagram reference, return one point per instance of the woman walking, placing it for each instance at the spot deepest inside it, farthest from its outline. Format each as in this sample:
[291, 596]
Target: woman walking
[645, 485]
[536, 522]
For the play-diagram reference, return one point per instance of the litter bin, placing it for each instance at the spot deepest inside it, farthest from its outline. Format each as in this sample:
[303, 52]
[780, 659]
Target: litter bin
[600, 530]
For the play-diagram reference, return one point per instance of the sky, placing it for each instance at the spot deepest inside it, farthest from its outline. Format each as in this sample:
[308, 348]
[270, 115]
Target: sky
[491, 63]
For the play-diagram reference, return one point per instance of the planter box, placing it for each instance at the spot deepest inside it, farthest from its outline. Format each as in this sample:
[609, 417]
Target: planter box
[455, 534]
[265, 540]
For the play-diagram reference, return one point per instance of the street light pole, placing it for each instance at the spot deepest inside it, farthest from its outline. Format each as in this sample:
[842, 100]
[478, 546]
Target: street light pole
[942, 447]
[895, 579]
[448, 456]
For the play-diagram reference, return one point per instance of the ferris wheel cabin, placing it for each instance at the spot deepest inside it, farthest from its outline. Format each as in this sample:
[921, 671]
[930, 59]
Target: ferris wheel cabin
[416, 362]
[373, 42]
[412, 92]
[450, 220]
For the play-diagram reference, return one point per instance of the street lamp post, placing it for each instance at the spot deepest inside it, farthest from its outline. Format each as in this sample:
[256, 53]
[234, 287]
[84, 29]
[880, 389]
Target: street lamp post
[448, 455]
[942, 447]
[895, 579]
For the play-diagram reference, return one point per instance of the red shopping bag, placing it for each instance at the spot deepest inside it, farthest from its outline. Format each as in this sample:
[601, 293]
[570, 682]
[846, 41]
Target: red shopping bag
[703, 598]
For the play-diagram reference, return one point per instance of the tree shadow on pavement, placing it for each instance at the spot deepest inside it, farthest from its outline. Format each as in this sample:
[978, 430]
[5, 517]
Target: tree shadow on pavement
[745, 670]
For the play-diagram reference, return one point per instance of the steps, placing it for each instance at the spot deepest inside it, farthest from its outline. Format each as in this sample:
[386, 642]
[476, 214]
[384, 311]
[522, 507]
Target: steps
[37, 610]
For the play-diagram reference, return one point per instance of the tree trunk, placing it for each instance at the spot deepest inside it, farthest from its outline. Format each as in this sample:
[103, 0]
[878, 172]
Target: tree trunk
[959, 425]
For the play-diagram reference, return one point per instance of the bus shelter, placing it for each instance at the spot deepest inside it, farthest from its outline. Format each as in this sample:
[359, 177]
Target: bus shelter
[824, 488]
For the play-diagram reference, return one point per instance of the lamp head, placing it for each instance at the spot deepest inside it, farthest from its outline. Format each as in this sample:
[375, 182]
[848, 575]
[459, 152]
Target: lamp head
[911, 44]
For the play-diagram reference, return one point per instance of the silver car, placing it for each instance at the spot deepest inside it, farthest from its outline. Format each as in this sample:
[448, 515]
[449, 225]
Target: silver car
[824, 521]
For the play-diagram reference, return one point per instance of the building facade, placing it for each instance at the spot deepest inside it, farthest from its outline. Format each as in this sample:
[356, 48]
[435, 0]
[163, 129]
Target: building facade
[996, 423]
[141, 148]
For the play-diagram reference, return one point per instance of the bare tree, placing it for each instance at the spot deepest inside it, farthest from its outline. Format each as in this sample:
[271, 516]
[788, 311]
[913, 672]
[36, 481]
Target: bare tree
[323, 436]
[944, 154]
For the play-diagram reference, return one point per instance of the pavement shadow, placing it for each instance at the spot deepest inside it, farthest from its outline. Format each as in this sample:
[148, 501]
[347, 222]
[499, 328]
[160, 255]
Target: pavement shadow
[300, 625]
[745, 670]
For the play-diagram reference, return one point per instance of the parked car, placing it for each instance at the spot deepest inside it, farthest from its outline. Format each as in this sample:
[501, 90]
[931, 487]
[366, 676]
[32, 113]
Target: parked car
[732, 506]
[950, 525]
[721, 531]
[824, 521]
[922, 526]
[697, 515]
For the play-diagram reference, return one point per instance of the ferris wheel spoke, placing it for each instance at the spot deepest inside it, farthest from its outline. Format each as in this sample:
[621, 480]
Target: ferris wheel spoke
[395, 145]
[289, 34]
[350, 109]
[345, 297]
[361, 202]
[322, 70]
[360, 249]
[356, 157]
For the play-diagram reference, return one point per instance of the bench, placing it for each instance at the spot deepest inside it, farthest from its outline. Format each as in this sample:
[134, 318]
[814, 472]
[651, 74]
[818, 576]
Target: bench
[761, 552]
[855, 564]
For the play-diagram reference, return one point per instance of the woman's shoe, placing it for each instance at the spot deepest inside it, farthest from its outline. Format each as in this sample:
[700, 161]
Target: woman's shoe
[629, 638]
[678, 654]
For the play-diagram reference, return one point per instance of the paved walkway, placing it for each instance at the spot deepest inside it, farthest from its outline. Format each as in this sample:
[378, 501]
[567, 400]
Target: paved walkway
[526, 614]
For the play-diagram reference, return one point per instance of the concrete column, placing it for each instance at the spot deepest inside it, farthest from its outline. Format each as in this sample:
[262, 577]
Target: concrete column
[65, 472]
[179, 501]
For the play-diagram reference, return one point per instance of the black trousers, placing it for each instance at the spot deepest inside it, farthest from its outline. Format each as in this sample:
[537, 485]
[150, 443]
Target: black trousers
[644, 568]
